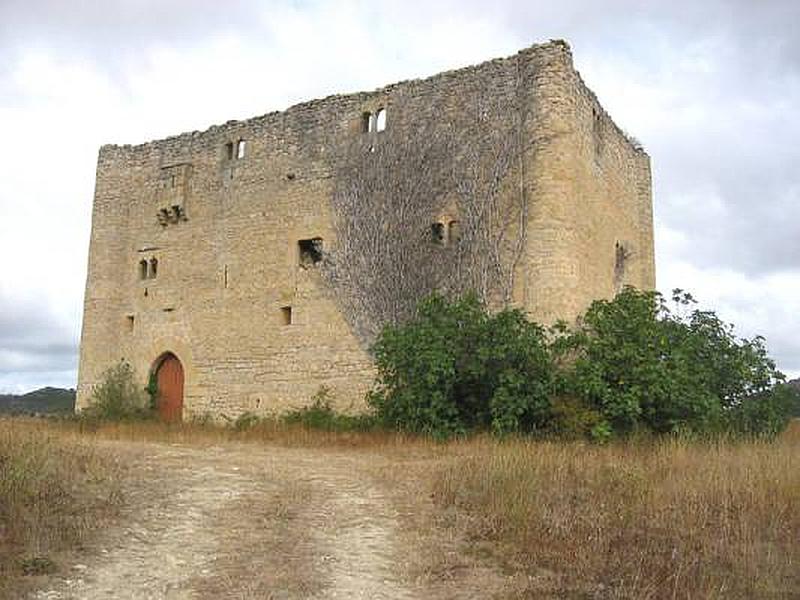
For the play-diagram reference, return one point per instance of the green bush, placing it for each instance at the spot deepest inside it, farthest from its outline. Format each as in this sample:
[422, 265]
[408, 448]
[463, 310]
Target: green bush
[455, 368]
[764, 414]
[118, 397]
[630, 365]
[642, 366]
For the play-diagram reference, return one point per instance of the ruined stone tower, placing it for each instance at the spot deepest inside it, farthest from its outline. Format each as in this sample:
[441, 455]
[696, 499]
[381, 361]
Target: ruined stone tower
[201, 262]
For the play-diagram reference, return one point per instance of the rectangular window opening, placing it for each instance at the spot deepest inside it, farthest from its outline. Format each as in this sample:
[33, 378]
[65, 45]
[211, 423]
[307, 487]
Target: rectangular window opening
[621, 255]
[310, 251]
[229, 150]
[240, 149]
[438, 233]
[286, 315]
[380, 120]
[366, 122]
[130, 320]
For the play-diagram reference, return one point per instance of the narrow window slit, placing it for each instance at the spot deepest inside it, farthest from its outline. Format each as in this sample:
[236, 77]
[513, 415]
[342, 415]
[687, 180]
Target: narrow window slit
[380, 120]
[453, 232]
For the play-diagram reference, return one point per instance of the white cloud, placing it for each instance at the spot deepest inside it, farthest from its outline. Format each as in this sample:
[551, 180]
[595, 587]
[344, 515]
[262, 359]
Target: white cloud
[766, 306]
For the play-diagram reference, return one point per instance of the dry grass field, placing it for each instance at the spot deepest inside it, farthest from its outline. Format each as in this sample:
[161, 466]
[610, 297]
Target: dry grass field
[665, 519]
[55, 491]
[473, 518]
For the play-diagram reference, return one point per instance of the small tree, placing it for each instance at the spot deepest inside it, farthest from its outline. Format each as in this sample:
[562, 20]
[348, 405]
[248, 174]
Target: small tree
[118, 397]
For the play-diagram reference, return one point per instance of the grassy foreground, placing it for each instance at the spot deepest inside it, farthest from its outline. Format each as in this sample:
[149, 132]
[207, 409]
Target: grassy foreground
[644, 519]
[55, 491]
[664, 519]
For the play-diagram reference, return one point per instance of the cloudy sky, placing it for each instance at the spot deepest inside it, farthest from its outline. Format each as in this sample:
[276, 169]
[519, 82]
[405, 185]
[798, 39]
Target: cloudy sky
[711, 88]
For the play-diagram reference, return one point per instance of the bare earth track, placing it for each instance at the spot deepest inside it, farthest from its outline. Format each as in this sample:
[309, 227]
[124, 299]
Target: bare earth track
[249, 521]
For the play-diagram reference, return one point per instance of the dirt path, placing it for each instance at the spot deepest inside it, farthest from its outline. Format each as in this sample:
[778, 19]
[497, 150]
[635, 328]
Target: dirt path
[248, 521]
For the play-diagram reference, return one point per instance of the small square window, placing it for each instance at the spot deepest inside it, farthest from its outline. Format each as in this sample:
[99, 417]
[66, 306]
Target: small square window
[310, 251]
[286, 315]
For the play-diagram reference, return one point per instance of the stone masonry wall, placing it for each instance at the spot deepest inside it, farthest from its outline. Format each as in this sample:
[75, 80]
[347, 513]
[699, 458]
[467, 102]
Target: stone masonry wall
[590, 190]
[224, 231]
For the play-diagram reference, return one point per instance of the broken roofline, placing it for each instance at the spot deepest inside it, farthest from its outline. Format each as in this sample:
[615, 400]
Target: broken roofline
[552, 46]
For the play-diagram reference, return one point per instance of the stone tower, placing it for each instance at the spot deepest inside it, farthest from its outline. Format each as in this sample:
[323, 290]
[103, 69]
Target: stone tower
[203, 244]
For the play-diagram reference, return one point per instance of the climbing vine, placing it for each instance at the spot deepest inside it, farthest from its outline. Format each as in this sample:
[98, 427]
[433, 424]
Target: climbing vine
[389, 190]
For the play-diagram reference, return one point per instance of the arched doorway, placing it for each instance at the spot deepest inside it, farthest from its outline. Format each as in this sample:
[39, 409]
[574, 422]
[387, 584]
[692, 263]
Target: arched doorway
[169, 382]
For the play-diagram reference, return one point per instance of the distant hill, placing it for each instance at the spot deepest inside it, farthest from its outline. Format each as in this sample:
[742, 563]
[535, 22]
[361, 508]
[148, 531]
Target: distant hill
[47, 400]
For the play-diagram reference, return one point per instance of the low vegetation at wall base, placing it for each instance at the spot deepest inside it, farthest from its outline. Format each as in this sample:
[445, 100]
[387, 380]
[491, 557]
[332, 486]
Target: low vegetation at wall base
[320, 414]
[118, 397]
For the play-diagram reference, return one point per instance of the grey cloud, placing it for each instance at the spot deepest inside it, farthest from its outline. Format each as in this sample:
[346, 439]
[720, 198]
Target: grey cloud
[119, 25]
[34, 340]
[111, 34]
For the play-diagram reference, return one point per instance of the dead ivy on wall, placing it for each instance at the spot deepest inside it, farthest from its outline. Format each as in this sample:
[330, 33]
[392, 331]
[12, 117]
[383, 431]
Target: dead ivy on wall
[390, 187]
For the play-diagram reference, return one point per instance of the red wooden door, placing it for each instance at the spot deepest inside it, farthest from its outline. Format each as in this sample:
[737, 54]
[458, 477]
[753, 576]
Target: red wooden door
[170, 389]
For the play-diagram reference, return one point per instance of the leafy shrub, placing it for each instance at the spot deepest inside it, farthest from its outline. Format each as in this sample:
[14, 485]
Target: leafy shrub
[630, 365]
[642, 366]
[455, 368]
[765, 414]
[118, 397]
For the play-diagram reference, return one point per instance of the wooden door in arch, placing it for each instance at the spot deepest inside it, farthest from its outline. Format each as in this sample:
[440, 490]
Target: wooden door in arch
[169, 378]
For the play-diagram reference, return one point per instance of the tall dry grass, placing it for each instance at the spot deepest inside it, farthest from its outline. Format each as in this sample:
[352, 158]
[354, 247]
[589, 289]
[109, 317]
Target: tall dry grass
[664, 519]
[55, 491]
